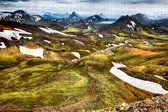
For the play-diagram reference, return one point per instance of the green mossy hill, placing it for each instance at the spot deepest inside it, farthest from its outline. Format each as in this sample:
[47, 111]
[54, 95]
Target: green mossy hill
[8, 61]
[85, 83]
[145, 61]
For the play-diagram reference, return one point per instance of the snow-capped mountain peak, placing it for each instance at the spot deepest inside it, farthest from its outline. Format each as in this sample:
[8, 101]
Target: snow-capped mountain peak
[36, 17]
[102, 15]
[74, 16]
[66, 15]
[19, 16]
[4, 15]
[20, 12]
[94, 18]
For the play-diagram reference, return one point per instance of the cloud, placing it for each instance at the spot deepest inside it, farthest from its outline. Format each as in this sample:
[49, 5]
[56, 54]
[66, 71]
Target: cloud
[141, 1]
[12, 0]
[110, 8]
[144, 1]
[95, 1]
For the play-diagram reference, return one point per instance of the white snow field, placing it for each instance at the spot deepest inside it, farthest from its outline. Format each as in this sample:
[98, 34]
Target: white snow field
[16, 33]
[51, 31]
[160, 77]
[2, 46]
[47, 41]
[138, 83]
[79, 42]
[76, 54]
[38, 52]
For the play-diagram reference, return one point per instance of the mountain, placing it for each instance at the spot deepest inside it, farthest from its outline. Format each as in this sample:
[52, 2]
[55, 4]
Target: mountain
[102, 15]
[158, 17]
[68, 20]
[37, 17]
[127, 22]
[143, 19]
[50, 16]
[95, 18]
[148, 21]
[19, 16]
[66, 15]
[127, 26]
[60, 16]
[74, 17]
[162, 22]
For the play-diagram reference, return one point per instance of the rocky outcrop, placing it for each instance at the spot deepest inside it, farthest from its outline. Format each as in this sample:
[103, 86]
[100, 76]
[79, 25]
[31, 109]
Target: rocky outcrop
[155, 104]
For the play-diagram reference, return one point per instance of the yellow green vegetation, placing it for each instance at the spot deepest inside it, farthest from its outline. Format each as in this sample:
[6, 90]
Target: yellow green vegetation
[85, 83]
[145, 61]
[8, 61]
[71, 30]
[119, 39]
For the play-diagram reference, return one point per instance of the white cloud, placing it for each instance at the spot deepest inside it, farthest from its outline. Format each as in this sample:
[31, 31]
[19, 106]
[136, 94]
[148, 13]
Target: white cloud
[109, 8]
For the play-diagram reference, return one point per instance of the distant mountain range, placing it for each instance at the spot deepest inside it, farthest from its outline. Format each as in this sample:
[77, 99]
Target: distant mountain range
[96, 18]
[74, 17]
[143, 19]
[21, 16]
[127, 21]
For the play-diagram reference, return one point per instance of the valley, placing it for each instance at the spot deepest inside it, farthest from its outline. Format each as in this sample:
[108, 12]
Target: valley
[76, 64]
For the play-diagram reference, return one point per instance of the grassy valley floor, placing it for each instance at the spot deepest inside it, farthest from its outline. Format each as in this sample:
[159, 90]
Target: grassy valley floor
[74, 71]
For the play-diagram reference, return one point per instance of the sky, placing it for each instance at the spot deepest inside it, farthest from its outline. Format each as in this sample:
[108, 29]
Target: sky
[110, 8]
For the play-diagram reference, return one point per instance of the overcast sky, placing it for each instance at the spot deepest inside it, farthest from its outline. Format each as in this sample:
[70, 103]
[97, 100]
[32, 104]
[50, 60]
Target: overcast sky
[110, 8]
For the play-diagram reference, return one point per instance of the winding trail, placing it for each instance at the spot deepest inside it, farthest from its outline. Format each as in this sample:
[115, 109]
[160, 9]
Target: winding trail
[138, 83]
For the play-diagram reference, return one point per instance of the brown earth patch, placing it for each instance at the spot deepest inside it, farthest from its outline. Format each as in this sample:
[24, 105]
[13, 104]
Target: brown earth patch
[141, 52]
[2, 27]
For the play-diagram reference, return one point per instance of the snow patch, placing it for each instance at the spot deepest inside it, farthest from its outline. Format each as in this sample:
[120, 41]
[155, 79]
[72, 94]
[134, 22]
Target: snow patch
[22, 31]
[130, 44]
[95, 49]
[62, 43]
[114, 35]
[74, 60]
[147, 43]
[117, 45]
[38, 52]
[51, 31]
[100, 35]
[76, 54]
[47, 41]
[87, 51]
[89, 27]
[109, 45]
[129, 26]
[4, 15]
[27, 37]
[105, 50]
[160, 77]
[79, 42]
[37, 18]
[108, 51]
[133, 24]
[141, 84]
[2, 45]
[126, 41]
[16, 33]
